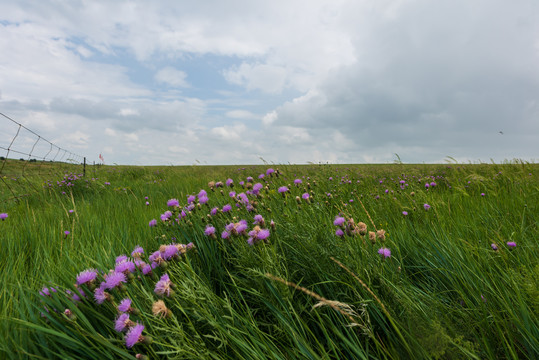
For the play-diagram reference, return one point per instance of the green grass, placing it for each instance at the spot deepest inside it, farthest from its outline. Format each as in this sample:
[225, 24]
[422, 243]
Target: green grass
[443, 294]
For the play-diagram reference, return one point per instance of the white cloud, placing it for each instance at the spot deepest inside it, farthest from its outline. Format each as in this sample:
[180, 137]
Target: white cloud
[266, 78]
[172, 77]
[241, 114]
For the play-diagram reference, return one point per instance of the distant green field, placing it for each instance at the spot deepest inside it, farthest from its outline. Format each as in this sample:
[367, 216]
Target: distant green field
[349, 262]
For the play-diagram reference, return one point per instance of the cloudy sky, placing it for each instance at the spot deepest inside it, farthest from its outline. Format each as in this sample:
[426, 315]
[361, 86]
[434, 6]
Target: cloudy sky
[238, 81]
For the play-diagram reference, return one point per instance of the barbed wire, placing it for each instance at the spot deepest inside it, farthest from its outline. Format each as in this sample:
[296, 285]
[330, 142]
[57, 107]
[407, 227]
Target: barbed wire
[31, 166]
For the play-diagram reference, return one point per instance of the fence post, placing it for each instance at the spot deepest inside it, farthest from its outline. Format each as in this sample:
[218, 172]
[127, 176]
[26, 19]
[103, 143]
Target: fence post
[84, 168]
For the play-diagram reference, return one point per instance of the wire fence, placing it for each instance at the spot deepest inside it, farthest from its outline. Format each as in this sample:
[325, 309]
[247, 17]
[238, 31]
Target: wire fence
[27, 159]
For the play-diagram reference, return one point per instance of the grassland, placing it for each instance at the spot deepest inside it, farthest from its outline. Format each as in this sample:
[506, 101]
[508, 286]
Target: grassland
[461, 281]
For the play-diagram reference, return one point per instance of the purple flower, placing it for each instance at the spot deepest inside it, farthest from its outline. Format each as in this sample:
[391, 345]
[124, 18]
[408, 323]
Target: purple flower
[282, 189]
[241, 227]
[46, 292]
[270, 171]
[3, 216]
[297, 181]
[86, 276]
[426, 206]
[427, 185]
[202, 193]
[482, 194]
[512, 244]
[125, 267]
[191, 199]
[121, 259]
[170, 252]
[494, 247]
[213, 211]
[405, 213]
[134, 335]
[152, 223]
[124, 305]
[385, 252]
[114, 279]
[259, 219]
[225, 234]
[339, 232]
[339, 220]
[232, 194]
[66, 232]
[137, 252]
[261, 176]
[147, 203]
[263, 234]
[305, 196]
[203, 199]
[432, 184]
[209, 231]
[100, 295]
[229, 182]
[257, 187]
[163, 286]
[173, 202]
[122, 322]
[227, 208]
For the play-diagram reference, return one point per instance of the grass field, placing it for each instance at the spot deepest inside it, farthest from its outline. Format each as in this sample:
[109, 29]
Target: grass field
[447, 267]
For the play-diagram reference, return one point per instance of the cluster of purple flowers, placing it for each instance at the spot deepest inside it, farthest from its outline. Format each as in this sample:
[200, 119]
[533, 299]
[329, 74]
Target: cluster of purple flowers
[349, 227]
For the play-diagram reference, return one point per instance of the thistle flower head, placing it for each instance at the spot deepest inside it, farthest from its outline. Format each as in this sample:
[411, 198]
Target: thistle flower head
[138, 251]
[134, 335]
[339, 221]
[385, 252]
[114, 279]
[124, 305]
[163, 286]
[173, 203]
[122, 323]
[160, 309]
[86, 276]
[3, 216]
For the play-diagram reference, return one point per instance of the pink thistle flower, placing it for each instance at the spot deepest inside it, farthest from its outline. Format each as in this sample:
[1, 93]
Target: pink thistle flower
[305, 196]
[282, 189]
[209, 231]
[203, 199]
[229, 182]
[134, 335]
[86, 276]
[163, 286]
[152, 223]
[426, 206]
[191, 199]
[297, 181]
[512, 244]
[137, 252]
[3, 216]
[115, 279]
[125, 305]
[339, 221]
[339, 232]
[122, 323]
[385, 252]
[213, 211]
[270, 171]
[173, 203]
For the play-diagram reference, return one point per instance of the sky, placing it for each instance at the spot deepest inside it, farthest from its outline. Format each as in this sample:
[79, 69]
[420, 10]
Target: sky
[246, 82]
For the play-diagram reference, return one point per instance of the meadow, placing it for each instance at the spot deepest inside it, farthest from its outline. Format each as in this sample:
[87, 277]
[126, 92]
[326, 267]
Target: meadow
[272, 262]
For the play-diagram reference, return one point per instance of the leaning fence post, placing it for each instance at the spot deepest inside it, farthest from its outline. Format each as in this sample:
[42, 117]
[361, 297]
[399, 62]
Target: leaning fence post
[84, 168]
